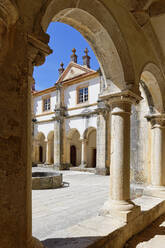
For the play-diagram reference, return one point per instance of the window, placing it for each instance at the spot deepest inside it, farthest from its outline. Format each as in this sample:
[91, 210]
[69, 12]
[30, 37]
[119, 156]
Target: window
[46, 104]
[83, 95]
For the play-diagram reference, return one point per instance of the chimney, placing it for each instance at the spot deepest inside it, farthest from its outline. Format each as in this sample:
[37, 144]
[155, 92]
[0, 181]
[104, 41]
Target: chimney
[60, 70]
[86, 59]
[74, 56]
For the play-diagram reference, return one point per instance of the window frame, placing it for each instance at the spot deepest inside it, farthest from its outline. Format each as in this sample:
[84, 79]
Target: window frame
[80, 87]
[43, 99]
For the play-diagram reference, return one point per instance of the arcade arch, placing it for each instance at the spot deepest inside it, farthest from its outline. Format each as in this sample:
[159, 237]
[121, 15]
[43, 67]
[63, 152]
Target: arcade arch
[90, 137]
[40, 148]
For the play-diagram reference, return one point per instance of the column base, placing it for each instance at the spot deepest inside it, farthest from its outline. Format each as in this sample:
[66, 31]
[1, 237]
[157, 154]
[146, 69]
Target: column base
[61, 166]
[155, 191]
[35, 243]
[83, 165]
[102, 171]
[122, 210]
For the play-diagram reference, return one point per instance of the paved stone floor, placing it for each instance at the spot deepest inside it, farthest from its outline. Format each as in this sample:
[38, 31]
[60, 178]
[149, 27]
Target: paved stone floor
[56, 210]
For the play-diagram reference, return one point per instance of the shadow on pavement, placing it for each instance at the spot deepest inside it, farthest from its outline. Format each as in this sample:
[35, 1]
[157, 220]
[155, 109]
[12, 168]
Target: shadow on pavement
[156, 228]
[78, 242]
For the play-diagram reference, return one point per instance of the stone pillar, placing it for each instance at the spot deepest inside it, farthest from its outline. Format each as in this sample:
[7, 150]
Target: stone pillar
[83, 153]
[119, 203]
[101, 137]
[58, 130]
[68, 141]
[15, 135]
[157, 179]
[48, 151]
[57, 143]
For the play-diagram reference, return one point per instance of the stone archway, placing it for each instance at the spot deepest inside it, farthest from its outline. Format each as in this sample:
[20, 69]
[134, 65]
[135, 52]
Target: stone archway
[90, 137]
[85, 17]
[40, 148]
[153, 78]
[73, 147]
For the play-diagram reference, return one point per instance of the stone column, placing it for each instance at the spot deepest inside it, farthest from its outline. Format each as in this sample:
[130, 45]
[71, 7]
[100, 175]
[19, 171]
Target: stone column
[15, 135]
[83, 153]
[57, 143]
[101, 136]
[157, 180]
[119, 203]
[68, 141]
[58, 130]
[48, 151]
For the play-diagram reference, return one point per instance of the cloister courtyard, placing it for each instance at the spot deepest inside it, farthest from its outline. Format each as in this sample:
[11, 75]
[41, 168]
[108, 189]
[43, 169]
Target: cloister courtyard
[59, 215]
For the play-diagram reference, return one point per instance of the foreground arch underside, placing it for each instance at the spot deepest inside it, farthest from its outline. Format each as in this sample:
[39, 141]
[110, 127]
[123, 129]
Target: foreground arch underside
[25, 44]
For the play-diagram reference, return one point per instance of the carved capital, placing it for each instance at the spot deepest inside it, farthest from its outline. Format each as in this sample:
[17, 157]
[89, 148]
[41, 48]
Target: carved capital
[37, 51]
[121, 102]
[102, 109]
[157, 121]
[60, 113]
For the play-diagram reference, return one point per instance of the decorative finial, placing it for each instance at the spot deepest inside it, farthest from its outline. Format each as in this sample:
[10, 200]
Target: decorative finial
[60, 70]
[86, 58]
[74, 56]
[86, 51]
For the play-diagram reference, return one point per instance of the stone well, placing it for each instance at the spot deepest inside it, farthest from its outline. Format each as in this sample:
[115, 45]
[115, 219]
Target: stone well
[46, 180]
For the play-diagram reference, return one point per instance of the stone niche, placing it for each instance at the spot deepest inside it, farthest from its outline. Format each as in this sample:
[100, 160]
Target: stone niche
[46, 180]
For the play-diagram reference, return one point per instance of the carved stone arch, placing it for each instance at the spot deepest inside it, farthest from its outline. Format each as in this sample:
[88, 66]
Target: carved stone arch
[72, 132]
[98, 26]
[88, 131]
[8, 13]
[8, 17]
[154, 80]
[50, 135]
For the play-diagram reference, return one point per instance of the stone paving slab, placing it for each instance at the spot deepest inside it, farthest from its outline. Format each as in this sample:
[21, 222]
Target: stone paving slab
[58, 209]
[58, 213]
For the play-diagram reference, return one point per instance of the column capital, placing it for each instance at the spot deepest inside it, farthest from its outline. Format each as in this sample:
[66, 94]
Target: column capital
[60, 113]
[157, 120]
[37, 50]
[102, 108]
[83, 140]
[127, 96]
[121, 102]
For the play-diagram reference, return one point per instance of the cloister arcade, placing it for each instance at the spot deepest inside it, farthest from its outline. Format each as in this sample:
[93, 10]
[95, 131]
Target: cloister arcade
[44, 148]
[127, 40]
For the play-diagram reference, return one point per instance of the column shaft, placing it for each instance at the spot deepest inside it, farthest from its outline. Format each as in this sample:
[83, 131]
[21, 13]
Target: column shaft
[120, 154]
[157, 157]
[157, 184]
[83, 153]
[57, 143]
[101, 145]
[119, 203]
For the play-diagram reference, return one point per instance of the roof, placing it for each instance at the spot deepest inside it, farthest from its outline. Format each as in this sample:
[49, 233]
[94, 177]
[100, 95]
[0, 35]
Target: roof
[74, 73]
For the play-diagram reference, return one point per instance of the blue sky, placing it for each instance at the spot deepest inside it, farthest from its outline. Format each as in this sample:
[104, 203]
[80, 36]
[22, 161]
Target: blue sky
[63, 38]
